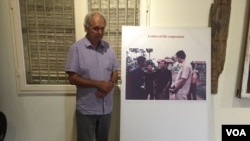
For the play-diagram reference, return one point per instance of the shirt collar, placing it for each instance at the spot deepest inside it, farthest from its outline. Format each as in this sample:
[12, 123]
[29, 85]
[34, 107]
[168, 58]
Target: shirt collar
[101, 48]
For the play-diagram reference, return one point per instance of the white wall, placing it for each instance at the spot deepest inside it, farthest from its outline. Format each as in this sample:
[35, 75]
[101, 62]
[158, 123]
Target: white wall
[51, 117]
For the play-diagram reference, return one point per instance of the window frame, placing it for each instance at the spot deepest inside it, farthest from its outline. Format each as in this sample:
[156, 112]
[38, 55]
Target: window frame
[17, 43]
[81, 9]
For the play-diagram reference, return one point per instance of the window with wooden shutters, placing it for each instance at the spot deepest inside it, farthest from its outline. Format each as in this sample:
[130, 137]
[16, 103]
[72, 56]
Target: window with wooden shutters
[48, 30]
[50, 27]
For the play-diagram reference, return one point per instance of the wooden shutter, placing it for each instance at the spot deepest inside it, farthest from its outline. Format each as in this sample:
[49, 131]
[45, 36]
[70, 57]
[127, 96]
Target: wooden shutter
[48, 29]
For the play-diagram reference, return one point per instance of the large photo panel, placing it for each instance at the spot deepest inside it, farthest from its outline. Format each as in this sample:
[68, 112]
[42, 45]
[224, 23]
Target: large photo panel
[165, 89]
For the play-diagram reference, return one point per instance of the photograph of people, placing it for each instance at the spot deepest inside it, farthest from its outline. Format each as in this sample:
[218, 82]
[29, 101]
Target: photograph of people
[173, 77]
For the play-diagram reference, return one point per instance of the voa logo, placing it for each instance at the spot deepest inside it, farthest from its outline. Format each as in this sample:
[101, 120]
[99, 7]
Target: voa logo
[236, 132]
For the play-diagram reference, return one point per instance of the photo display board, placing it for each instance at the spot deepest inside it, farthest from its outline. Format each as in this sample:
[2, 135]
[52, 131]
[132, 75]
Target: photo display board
[166, 84]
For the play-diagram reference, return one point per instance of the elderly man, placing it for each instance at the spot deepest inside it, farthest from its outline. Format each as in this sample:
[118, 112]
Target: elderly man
[92, 66]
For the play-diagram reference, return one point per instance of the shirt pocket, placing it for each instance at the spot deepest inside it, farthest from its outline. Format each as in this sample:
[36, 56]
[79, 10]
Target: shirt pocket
[108, 64]
[85, 65]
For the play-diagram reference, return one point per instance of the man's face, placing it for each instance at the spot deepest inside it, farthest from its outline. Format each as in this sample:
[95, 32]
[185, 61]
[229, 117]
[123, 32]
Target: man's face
[96, 30]
[161, 64]
[179, 60]
[149, 67]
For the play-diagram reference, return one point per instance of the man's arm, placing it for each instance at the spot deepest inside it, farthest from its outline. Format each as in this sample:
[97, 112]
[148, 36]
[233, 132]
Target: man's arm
[113, 80]
[169, 82]
[167, 86]
[104, 86]
[114, 77]
[179, 85]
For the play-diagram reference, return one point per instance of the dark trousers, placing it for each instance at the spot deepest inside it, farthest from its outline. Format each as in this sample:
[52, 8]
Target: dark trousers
[162, 96]
[150, 92]
[89, 126]
[192, 92]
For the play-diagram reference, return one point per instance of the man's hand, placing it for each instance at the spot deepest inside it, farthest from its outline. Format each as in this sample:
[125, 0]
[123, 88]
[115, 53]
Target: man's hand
[101, 94]
[173, 90]
[105, 87]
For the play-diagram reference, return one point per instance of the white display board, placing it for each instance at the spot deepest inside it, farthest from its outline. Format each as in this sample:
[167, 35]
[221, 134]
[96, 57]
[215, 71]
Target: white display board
[161, 119]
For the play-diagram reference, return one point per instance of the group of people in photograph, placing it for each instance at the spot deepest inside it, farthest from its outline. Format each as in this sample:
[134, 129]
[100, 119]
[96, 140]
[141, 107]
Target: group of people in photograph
[147, 81]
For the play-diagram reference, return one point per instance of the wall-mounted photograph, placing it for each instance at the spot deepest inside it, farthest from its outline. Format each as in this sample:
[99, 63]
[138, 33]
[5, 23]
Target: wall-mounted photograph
[165, 64]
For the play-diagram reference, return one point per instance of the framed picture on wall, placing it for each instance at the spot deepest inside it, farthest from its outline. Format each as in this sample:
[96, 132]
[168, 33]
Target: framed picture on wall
[245, 84]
